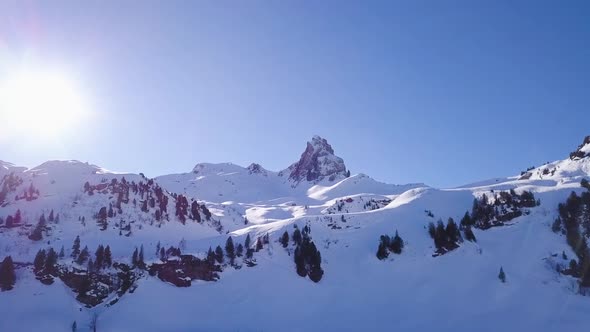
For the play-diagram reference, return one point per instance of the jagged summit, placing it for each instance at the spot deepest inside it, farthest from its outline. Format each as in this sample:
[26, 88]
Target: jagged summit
[582, 151]
[317, 162]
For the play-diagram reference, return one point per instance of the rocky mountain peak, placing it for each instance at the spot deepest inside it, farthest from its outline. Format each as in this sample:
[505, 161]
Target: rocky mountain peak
[582, 151]
[317, 162]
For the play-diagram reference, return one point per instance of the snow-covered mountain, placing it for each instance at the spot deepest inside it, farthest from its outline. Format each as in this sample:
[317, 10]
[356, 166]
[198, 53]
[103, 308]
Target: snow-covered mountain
[323, 253]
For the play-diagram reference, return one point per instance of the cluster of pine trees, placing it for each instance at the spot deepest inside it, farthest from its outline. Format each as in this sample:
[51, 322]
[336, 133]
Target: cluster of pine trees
[13, 221]
[388, 244]
[45, 262]
[504, 206]
[37, 233]
[307, 257]
[574, 219]
[7, 274]
[447, 238]
[233, 252]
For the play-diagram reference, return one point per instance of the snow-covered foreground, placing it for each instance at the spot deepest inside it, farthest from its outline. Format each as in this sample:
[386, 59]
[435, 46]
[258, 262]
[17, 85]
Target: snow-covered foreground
[414, 291]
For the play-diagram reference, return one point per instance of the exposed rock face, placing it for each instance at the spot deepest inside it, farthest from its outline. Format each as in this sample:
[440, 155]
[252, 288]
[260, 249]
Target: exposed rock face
[180, 271]
[583, 150]
[316, 163]
[257, 169]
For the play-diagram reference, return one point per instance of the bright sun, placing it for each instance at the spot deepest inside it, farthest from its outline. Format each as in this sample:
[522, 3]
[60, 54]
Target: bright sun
[44, 104]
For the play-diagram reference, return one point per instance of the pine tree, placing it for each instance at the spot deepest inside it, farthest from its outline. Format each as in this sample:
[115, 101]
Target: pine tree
[62, 252]
[452, 232]
[239, 250]
[140, 260]
[397, 244]
[37, 233]
[247, 242]
[297, 237]
[134, 258]
[382, 252]
[99, 254]
[51, 261]
[230, 250]
[259, 245]
[39, 262]
[158, 248]
[76, 248]
[219, 255]
[162, 254]
[431, 230]
[84, 254]
[74, 326]
[51, 217]
[502, 275]
[466, 220]
[108, 257]
[469, 236]
[285, 239]
[7, 275]
[210, 256]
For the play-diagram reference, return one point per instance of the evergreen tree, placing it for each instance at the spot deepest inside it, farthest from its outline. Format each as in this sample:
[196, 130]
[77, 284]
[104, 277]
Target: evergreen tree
[230, 250]
[84, 254]
[51, 261]
[37, 233]
[452, 232]
[382, 251]
[219, 255]
[431, 230]
[140, 260]
[469, 236]
[162, 254]
[247, 242]
[211, 256]
[76, 248]
[51, 217]
[584, 183]
[158, 248]
[74, 326]
[62, 252]
[440, 236]
[308, 260]
[284, 240]
[108, 257]
[466, 220]
[297, 237]
[502, 275]
[99, 254]
[239, 250]
[17, 217]
[134, 257]
[39, 262]
[7, 275]
[101, 218]
[397, 244]
[259, 245]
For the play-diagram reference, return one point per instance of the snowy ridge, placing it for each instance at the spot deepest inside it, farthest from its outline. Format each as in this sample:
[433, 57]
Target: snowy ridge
[347, 215]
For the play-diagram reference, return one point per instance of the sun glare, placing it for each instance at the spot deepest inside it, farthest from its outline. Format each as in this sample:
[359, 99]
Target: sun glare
[43, 104]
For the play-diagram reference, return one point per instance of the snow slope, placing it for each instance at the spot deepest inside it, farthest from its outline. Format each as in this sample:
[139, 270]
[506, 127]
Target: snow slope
[414, 291]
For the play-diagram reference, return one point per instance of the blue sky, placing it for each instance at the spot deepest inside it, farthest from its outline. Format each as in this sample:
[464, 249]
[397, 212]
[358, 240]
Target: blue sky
[441, 92]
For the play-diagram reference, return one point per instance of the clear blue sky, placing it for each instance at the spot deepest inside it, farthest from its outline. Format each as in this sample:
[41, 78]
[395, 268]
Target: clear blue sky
[441, 92]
